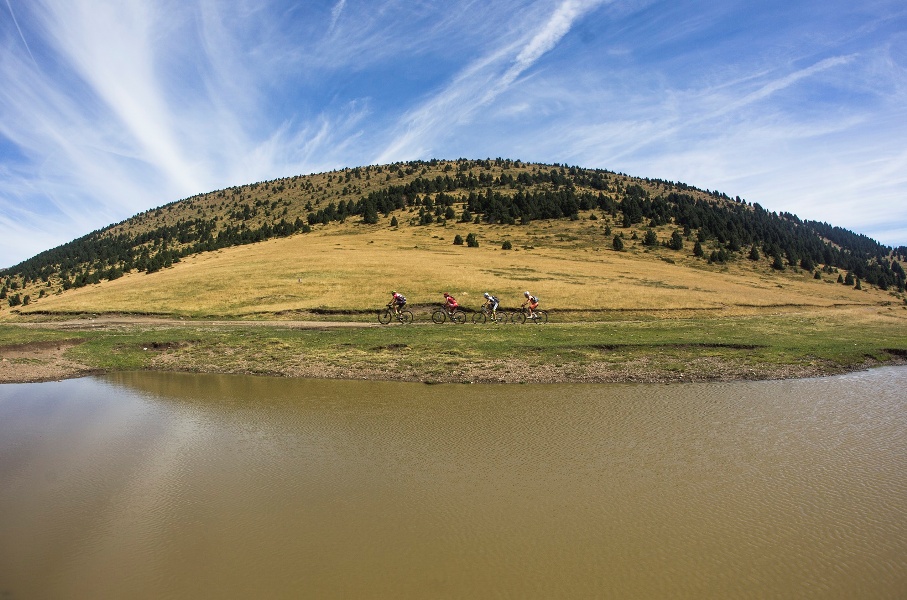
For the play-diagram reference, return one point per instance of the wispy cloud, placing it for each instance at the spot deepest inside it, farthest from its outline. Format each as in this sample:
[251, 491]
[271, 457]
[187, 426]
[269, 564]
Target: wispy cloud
[115, 119]
[481, 82]
[335, 14]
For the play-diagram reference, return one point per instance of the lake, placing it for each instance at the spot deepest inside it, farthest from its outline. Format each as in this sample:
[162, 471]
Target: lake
[165, 485]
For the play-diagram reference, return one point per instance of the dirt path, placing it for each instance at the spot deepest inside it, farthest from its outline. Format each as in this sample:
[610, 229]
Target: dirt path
[114, 321]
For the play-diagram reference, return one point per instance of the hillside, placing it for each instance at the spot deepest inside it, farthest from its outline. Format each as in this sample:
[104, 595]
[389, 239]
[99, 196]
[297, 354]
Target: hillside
[337, 242]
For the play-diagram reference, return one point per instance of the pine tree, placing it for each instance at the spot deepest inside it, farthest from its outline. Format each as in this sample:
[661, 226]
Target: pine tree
[458, 240]
[472, 241]
[697, 249]
[618, 243]
[777, 262]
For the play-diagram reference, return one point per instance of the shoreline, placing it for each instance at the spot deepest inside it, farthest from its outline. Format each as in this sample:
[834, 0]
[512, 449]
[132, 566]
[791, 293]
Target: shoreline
[44, 362]
[740, 348]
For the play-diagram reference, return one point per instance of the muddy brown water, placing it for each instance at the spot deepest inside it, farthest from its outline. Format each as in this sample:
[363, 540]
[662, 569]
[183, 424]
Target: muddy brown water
[165, 485]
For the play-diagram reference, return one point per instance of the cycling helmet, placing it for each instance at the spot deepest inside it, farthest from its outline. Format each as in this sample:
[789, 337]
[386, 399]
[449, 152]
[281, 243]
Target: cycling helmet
[526, 293]
[393, 292]
[487, 295]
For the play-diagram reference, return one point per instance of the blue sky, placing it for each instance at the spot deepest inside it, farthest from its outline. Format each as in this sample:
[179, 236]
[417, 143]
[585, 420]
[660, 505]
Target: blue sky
[111, 107]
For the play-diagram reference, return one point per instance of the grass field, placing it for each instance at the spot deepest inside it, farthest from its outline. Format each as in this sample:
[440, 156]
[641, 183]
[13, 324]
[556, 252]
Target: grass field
[690, 349]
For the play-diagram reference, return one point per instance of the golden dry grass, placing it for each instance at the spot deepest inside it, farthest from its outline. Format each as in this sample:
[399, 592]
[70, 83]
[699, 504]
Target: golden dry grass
[350, 267]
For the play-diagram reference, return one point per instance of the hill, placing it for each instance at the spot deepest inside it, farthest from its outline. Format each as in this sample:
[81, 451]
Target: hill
[336, 242]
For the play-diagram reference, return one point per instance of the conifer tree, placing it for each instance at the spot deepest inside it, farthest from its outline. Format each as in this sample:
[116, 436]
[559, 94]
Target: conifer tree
[777, 262]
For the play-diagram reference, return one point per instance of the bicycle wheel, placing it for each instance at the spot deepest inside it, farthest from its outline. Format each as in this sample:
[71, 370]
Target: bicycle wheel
[541, 316]
[458, 317]
[406, 317]
[478, 317]
[518, 317]
[501, 317]
[439, 316]
[384, 316]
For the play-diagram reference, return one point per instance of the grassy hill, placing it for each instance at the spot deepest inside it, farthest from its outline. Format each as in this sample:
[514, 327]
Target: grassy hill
[337, 243]
[349, 269]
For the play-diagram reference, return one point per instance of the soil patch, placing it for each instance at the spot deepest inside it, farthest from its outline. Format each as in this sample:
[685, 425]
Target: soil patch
[39, 361]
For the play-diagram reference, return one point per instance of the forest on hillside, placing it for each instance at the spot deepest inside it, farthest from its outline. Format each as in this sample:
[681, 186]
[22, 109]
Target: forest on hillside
[740, 230]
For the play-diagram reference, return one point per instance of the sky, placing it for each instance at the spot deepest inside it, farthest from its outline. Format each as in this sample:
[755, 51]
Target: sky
[111, 107]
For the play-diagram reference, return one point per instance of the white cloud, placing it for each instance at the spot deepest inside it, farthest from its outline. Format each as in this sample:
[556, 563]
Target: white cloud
[480, 83]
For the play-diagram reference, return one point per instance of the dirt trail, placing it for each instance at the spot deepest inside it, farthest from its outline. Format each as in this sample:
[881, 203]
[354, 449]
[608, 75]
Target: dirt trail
[114, 321]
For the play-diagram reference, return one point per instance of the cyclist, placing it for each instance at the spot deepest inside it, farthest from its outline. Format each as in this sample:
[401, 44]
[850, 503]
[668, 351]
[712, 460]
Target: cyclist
[398, 302]
[532, 302]
[450, 303]
[492, 303]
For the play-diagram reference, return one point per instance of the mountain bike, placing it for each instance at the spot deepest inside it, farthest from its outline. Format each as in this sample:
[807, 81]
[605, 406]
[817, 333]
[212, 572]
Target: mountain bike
[387, 314]
[521, 316]
[442, 314]
[499, 316]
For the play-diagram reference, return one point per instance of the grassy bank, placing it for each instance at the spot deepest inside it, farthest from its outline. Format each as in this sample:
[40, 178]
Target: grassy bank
[660, 350]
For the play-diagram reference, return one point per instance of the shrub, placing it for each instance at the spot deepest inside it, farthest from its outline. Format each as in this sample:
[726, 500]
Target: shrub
[618, 243]
[507, 245]
[472, 241]
[458, 240]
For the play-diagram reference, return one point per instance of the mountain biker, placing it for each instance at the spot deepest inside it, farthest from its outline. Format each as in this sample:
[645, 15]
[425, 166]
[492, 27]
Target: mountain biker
[492, 303]
[398, 302]
[450, 303]
[532, 302]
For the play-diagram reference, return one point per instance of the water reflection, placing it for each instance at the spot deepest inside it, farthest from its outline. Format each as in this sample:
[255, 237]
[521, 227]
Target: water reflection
[209, 486]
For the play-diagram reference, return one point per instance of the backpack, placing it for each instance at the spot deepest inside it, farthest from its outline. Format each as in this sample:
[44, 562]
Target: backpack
[401, 299]
[533, 299]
